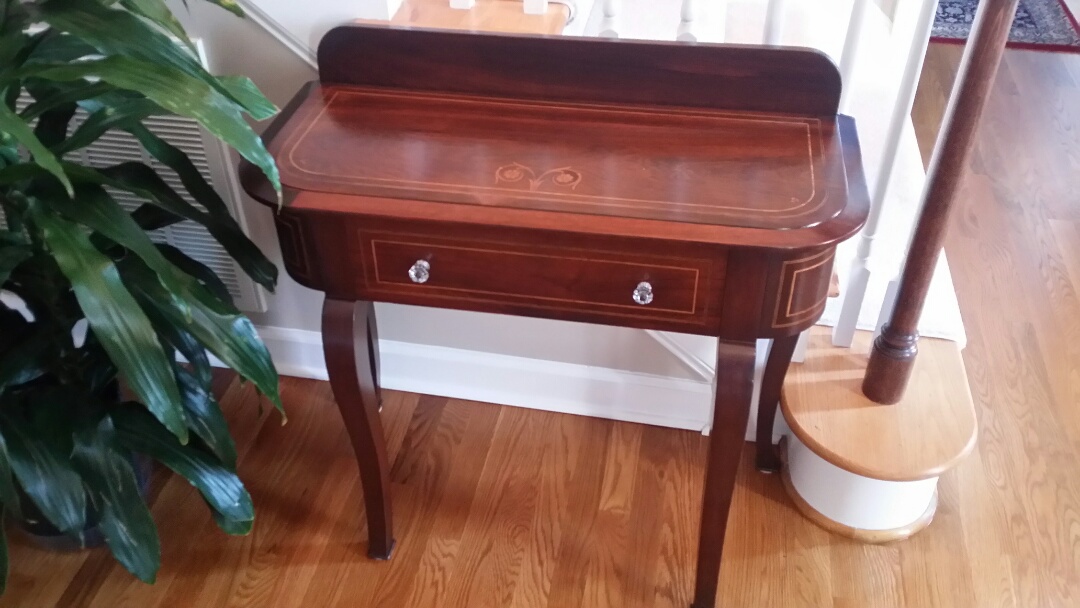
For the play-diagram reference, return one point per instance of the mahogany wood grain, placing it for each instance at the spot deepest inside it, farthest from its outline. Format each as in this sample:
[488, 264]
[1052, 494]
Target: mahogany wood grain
[776, 368]
[583, 69]
[731, 410]
[893, 356]
[350, 364]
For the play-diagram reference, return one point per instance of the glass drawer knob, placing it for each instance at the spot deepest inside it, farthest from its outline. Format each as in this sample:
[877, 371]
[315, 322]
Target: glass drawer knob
[643, 293]
[420, 271]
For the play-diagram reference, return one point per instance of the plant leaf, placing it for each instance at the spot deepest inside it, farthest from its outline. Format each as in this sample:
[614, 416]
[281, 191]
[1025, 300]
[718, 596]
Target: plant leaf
[219, 485]
[115, 317]
[157, 12]
[118, 33]
[204, 416]
[107, 117]
[41, 464]
[177, 92]
[143, 181]
[198, 270]
[125, 520]
[57, 96]
[11, 123]
[229, 335]
[96, 210]
[243, 89]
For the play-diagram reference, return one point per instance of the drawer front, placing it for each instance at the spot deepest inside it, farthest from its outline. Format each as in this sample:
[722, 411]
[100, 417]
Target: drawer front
[482, 275]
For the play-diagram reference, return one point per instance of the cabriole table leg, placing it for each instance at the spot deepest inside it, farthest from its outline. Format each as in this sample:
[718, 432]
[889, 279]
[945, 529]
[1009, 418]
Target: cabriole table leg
[351, 360]
[731, 410]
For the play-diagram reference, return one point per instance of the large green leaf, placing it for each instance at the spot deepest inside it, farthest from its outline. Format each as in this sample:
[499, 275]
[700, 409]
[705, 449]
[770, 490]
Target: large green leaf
[158, 12]
[230, 336]
[244, 90]
[106, 118]
[201, 272]
[125, 520]
[11, 123]
[40, 459]
[143, 181]
[95, 209]
[219, 485]
[115, 317]
[60, 95]
[122, 34]
[177, 92]
[204, 416]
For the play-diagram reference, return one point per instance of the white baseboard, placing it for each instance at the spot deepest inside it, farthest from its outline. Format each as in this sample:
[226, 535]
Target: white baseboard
[518, 381]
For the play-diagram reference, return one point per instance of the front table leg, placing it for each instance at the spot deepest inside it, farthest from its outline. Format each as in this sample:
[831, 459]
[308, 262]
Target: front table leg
[731, 410]
[351, 358]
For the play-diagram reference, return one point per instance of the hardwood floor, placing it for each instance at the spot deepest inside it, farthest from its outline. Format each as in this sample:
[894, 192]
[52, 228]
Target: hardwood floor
[546, 510]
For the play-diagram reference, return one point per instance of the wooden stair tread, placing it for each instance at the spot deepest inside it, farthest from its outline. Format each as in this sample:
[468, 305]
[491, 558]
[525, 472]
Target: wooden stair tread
[927, 433]
[506, 16]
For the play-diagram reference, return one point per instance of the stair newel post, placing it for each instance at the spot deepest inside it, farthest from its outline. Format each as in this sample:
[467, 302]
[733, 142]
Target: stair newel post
[893, 355]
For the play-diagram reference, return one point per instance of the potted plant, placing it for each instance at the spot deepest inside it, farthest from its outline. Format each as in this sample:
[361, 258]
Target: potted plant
[87, 299]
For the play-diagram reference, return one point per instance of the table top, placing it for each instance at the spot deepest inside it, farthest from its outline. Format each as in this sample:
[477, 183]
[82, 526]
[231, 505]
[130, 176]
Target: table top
[771, 171]
[746, 149]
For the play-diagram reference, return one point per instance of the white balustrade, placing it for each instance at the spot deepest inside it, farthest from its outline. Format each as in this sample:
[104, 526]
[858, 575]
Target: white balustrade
[859, 278]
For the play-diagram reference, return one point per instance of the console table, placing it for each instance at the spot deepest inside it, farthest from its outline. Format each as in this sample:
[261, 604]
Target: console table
[689, 188]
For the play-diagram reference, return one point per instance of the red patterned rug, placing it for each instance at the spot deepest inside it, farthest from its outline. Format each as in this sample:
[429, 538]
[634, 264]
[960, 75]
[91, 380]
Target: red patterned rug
[1045, 25]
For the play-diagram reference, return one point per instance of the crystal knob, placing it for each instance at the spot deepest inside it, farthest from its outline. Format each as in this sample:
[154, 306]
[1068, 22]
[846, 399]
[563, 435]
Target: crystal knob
[420, 272]
[643, 293]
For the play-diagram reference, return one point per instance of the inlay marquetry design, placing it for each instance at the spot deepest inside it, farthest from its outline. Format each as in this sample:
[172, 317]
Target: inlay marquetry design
[515, 173]
[804, 289]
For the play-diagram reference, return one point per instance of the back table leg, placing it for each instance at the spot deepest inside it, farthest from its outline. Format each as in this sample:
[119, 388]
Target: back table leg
[771, 385]
[731, 410]
[351, 359]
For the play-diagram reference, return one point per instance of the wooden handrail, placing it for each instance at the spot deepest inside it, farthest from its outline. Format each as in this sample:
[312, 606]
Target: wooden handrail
[894, 351]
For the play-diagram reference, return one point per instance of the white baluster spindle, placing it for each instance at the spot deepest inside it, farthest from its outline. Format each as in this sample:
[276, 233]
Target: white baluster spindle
[774, 22]
[462, 4]
[609, 23]
[851, 50]
[859, 279]
[687, 15]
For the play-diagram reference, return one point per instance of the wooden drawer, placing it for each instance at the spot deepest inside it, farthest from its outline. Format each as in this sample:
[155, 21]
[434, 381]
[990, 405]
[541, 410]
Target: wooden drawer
[475, 274]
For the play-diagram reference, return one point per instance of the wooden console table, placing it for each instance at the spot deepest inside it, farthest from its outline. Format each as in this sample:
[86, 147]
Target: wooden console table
[689, 188]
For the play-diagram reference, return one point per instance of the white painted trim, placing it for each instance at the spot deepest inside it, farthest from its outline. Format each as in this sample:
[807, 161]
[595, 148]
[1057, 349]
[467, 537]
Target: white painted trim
[702, 369]
[294, 44]
[853, 500]
[519, 381]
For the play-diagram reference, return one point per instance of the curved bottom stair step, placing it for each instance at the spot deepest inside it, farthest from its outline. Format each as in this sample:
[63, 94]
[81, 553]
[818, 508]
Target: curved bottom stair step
[864, 450]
